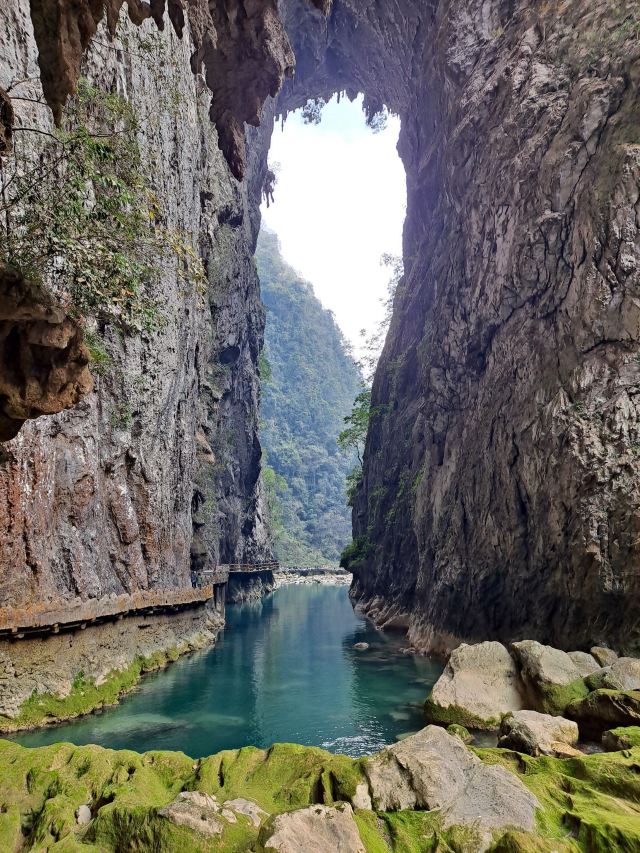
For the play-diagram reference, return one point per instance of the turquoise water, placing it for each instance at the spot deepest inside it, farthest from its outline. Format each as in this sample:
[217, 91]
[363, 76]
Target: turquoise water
[283, 670]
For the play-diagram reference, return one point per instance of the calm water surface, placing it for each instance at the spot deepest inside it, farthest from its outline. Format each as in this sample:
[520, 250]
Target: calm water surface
[283, 670]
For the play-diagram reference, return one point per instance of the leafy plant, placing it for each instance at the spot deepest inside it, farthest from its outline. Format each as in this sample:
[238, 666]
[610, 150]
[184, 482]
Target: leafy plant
[78, 215]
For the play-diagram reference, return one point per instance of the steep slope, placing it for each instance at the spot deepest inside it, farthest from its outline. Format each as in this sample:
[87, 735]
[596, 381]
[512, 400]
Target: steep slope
[312, 386]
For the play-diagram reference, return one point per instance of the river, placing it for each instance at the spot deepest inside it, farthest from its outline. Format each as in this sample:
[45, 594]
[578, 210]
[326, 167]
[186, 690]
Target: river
[285, 669]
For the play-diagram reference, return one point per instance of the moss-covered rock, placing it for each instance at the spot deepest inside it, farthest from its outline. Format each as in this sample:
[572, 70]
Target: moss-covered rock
[43, 709]
[605, 709]
[624, 737]
[455, 715]
[460, 731]
[588, 803]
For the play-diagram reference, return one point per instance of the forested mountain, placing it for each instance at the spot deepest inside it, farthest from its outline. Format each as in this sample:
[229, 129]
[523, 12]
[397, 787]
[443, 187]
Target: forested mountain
[309, 382]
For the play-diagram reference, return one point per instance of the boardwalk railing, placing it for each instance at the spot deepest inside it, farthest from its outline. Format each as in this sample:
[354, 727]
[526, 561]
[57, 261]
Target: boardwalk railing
[251, 567]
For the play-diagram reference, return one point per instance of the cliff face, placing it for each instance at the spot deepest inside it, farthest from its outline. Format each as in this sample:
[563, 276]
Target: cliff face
[160, 466]
[501, 495]
[501, 485]
[501, 492]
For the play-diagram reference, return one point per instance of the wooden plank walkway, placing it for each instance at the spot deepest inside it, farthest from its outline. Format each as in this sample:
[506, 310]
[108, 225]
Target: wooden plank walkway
[56, 615]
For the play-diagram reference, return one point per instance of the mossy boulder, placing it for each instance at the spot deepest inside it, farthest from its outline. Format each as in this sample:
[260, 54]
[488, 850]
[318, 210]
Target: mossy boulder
[624, 737]
[551, 677]
[480, 684]
[605, 709]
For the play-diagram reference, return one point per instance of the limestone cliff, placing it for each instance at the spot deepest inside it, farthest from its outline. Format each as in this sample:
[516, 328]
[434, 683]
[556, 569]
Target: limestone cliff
[159, 467]
[500, 495]
[501, 488]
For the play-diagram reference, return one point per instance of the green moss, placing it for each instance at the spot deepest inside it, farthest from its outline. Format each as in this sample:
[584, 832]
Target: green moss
[555, 698]
[624, 737]
[460, 731]
[284, 777]
[42, 709]
[589, 803]
[454, 715]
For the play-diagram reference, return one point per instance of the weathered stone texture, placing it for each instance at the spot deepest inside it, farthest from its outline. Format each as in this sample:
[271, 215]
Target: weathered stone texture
[50, 664]
[501, 488]
[163, 460]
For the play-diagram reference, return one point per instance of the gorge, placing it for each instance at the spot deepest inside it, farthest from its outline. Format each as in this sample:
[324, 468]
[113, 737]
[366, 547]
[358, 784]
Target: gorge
[499, 497]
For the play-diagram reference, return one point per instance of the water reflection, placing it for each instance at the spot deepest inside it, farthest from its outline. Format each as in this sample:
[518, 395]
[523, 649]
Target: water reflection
[284, 670]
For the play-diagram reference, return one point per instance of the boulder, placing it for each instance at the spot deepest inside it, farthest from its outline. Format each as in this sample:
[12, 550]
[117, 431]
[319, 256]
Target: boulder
[622, 674]
[605, 709]
[434, 770]
[551, 677]
[83, 815]
[316, 829]
[361, 647]
[585, 663]
[604, 656]
[537, 734]
[196, 811]
[479, 684]
[624, 737]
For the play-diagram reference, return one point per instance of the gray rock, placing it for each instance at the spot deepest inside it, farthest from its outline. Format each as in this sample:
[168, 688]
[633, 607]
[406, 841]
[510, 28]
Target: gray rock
[83, 815]
[604, 656]
[361, 647]
[316, 829]
[551, 677]
[248, 808]
[434, 770]
[585, 663]
[195, 810]
[623, 674]
[535, 734]
[479, 684]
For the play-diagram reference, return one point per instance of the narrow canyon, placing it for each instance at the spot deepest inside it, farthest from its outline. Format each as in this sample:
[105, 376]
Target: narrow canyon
[496, 515]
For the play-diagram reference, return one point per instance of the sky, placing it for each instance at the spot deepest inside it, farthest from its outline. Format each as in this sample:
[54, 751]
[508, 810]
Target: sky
[340, 202]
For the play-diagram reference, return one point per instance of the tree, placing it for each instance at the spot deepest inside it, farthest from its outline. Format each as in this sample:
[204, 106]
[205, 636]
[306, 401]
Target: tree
[352, 439]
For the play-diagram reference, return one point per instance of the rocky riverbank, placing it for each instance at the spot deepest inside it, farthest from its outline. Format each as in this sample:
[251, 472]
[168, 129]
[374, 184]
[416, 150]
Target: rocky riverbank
[541, 700]
[321, 575]
[429, 792]
[46, 680]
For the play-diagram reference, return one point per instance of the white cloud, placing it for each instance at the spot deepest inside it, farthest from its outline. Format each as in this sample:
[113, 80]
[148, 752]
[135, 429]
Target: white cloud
[340, 204]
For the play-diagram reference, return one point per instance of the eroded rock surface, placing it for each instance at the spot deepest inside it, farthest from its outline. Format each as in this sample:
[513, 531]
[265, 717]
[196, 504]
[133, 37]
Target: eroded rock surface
[43, 359]
[435, 770]
[536, 734]
[479, 684]
[317, 829]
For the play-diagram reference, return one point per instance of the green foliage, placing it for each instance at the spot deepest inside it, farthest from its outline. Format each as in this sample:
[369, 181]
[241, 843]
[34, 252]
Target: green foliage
[356, 552]
[352, 439]
[100, 358]
[79, 215]
[307, 393]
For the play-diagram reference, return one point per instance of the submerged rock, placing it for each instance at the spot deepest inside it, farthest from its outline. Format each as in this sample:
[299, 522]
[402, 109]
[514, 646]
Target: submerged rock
[536, 734]
[316, 829]
[480, 684]
[551, 677]
[435, 770]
